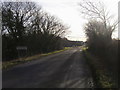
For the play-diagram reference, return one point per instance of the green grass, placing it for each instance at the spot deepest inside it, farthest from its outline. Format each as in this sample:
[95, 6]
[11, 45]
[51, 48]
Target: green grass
[84, 48]
[8, 64]
[101, 76]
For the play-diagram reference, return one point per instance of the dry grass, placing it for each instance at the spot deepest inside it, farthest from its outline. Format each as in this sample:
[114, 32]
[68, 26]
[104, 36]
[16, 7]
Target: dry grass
[101, 75]
[8, 64]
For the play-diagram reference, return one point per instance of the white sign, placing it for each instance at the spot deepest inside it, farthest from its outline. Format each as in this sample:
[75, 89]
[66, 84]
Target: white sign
[21, 48]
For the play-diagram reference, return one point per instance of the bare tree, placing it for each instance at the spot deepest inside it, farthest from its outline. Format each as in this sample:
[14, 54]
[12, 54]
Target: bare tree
[97, 11]
[24, 23]
[16, 16]
[52, 25]
[99, 28]
[50, 28]
[97, 33]
[23, 17]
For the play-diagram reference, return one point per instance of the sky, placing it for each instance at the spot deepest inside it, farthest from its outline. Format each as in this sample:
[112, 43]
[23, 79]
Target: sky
[69, 12]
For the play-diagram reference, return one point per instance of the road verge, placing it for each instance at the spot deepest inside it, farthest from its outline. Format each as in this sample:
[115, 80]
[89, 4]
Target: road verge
[101, 76]
[8, 64]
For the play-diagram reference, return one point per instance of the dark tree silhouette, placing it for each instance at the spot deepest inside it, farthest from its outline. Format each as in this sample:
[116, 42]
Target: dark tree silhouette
[26, 24]
[15, 18]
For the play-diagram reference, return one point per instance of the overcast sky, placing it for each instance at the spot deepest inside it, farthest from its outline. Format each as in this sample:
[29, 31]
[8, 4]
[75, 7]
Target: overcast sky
[69, 12]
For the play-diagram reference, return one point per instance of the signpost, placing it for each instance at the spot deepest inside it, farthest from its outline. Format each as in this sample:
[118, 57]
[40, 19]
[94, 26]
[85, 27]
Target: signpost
[22, 51]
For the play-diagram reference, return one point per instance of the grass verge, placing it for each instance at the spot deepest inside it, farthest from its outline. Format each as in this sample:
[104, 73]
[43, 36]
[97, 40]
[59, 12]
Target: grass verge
[101, 76]
[8, 64]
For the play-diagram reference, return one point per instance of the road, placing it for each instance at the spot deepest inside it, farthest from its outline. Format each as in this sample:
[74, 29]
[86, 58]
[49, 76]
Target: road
[67, 69]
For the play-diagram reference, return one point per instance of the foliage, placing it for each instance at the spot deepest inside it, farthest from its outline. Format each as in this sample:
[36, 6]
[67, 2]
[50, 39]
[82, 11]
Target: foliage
[99, 31]
[26, 24]
[103, 78]
[99, 36]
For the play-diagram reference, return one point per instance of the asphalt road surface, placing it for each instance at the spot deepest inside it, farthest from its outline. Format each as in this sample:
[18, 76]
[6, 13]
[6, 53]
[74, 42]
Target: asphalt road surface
[67, 69]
